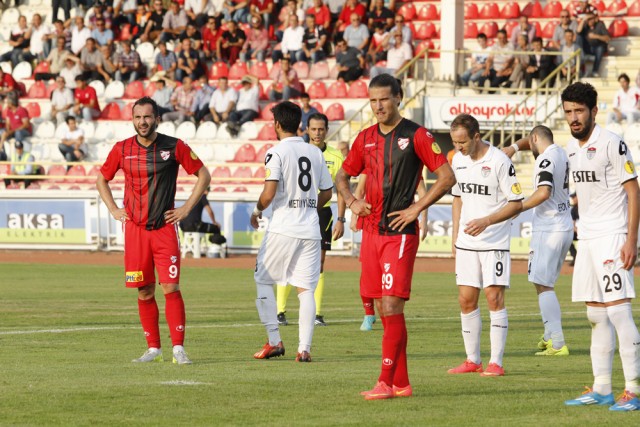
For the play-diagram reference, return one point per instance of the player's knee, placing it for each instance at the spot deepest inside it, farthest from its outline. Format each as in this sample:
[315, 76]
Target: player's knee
[495, 300]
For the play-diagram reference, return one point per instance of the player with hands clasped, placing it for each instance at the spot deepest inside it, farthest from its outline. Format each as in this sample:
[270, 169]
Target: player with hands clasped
[486, 197]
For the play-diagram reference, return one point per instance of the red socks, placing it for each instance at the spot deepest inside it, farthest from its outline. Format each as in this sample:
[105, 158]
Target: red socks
[174, 312]
[148, 310]
[367, 303]
[394, 351]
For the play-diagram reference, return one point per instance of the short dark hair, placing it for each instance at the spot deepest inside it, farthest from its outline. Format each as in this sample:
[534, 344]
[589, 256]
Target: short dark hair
[624, 76]
[580, 93]
[146, 100]
[69, 118]
[288, 115]
[305, 95]
[569, 30]
[319, 116]
[543, 132]
[386, 80]
[481, 36]
[503, 32]
[468, 122]
[80, 77]
[536, 39]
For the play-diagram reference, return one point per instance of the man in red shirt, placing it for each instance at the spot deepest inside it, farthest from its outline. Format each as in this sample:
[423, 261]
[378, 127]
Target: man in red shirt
[17, 124]
[322, 14]
[150, 161]
[351, 6]
[7, 84]
[86, 104]
[393, 153]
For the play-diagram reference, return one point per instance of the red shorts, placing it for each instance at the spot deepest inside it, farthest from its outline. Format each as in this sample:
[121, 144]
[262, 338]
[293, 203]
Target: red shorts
[146, 249]
[387, 264]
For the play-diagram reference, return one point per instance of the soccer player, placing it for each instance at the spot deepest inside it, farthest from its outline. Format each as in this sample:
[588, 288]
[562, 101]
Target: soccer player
[150, 161]
[298, 184]
[393, 153]
[606, 184]
[487, 196]
[317, 128]
[552, 234]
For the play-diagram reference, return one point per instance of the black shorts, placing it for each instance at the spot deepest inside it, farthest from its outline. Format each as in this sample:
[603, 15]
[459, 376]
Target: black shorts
[326, 227]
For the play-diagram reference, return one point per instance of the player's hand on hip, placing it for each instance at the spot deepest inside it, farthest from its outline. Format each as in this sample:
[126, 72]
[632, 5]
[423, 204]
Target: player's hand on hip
[628, 254]
[360, 207]
[338, 230]
[476, 226]
[254, 220]
[403, 218]
[174, 216]
[120, 215]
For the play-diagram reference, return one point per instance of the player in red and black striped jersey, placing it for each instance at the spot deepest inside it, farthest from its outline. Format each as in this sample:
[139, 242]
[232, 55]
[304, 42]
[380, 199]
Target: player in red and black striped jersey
[150, 162]
[393, 153]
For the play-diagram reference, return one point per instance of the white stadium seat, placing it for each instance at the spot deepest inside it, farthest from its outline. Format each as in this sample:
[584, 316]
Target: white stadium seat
[206, 131]
[186, 131]
[104, 131]
[99, 87]
[114, 90]
[22, 71]
[10, 17]
[167, 128]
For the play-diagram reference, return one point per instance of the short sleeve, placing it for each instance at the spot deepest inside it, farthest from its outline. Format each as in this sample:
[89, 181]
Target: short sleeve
[428, 149]
[353, 165]
[546, 170]
[455, 190]
[187, 158]
[112, 164]
[272, 166]
[508, 182]
[326, 182]
[621, 161]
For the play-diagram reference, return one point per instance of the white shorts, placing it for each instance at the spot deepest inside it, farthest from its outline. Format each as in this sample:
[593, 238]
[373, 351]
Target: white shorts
[547, 251]
[598, 274]
[481, 269]
[286, 260]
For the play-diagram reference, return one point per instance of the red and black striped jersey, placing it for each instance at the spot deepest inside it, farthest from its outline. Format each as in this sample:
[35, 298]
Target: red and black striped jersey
[393, 164]
[150, 176]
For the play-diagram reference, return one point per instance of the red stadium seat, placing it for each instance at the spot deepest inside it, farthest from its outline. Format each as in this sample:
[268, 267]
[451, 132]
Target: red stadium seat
[246, 153]
[427, 44]
[490, 29]
[242, 172]
[274, 70]
[219, 69]
[428, 12]
[470, 30]
[599, 5]
[77, 171]
[33, 109]
[318, 107]
[510, 10]
[221, 172]
[134, 90]
[127, 111]
[634, 9]
[38, 90]
[263, 94]
[94, 171]
[317, 90]
[538, 28]
[616, 7]
[111, 112]
[408, 11]
[50, 88]
[150, 89]
[266, 113]
[549, 29]
[337, 89]
[124, 33]
[619, 28]
[320, 70]
[262, 152]
[219, 189]
[42, 67]
[238, 70]
[302, 69]
[335, 112]
[489, 11]
[509, 26]
[426, 31]
[240, 189]
[532, 10]
[259, 69]
[470, 11]
[358, 89]
[259, 173]
[572, 6]
[552, 9]
[57, 171]
[267, 133]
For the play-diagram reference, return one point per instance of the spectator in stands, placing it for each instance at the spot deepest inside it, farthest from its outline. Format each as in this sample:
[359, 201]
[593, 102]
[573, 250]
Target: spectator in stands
[97, 12]
[142, 18]
[566, 23]
[73, 146]
[162, 94]
[124, 12]
[86, 101]
[307, 111]
[129, 65]
[621, 11]
[350, 7]
[101, 34]
[192, 33]
[626, 102]
[70, 71]
[223, 101]
[210, 35]
[18, 41]
[380, 13]
[540, 65]
[37, 35]
[521, 62]
[248, 106]
[22, 163]
[236, 10]
[165, 61]
[79, 35]
[230, 43]
[499, 66]
[174, 22]
[8, 85]
[59, 30]
[595, 40]
[262, 9]
[397, 56]
[523, 27]
[109, 61]
[286, 84]
[55, 60]
[478, 62]
[61, 101]
[569, 47]
[16, 121]
[198, 11]
[65, 5]
[321, 13]
[182, 100]
[257, 43]
[356, 34]
[314, 42]
[583, 8]
[407, 35]
[379, 44]
[92, 62]
[200, 107]
[291, 8]
[189, 62]
[292, 40]
[349, 62]
[154, 26]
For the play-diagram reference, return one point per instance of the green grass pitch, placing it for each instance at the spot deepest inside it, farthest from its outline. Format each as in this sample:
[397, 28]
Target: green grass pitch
[69, 332]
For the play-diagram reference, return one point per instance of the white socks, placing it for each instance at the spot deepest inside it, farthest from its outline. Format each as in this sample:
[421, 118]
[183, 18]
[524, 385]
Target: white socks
[629, 339]
[603, 345]
[471, 331]
[552, 318]
[498, 334]
[266, 304]
[306, 319]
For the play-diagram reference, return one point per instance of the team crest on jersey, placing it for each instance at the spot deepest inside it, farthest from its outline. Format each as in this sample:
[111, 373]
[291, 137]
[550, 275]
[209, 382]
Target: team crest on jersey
[591, 152]
[194, 156]
[608, 265]
[499, 254]
[403, 142]
[165, 154]
[628, 166]
[174, 259]
[387, 362]
[267, 173]
[387, 266]
[436, 148]
[516, 189]
[485, 171]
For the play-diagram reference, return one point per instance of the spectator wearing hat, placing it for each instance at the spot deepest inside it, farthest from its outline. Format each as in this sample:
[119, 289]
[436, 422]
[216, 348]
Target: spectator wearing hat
[16, 121]
[248, 105]
[86, 101]
[22, 163]
[73, 145]
[257, 43]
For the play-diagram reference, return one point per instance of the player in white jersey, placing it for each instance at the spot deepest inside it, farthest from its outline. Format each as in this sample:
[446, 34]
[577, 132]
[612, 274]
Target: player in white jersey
[552, 234]
[297, 184]
[607, 187]
[486, 197]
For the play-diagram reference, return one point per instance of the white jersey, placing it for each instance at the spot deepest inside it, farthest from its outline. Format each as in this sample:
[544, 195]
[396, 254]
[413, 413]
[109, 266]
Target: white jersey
[552, 170]
[598, 169]
[485, 186]
[301, 172]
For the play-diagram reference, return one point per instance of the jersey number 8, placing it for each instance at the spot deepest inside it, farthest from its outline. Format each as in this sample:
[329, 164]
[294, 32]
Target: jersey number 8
[304, 178]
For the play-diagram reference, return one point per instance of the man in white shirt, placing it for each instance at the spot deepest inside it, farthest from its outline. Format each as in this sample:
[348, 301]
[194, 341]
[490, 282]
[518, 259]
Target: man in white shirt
[61, 101]
[478, 61]
[292, 39]
[223, 101]
[397, 56]
[38, 39]
[248, 106]
[79, 35]
[499, 66]
[73, 146]
[485, 199]
[625, 103]
[297, 184]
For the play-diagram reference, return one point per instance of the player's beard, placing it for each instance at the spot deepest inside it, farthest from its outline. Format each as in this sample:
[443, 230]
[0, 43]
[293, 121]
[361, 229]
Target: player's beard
[147, 132]
[581, 135]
